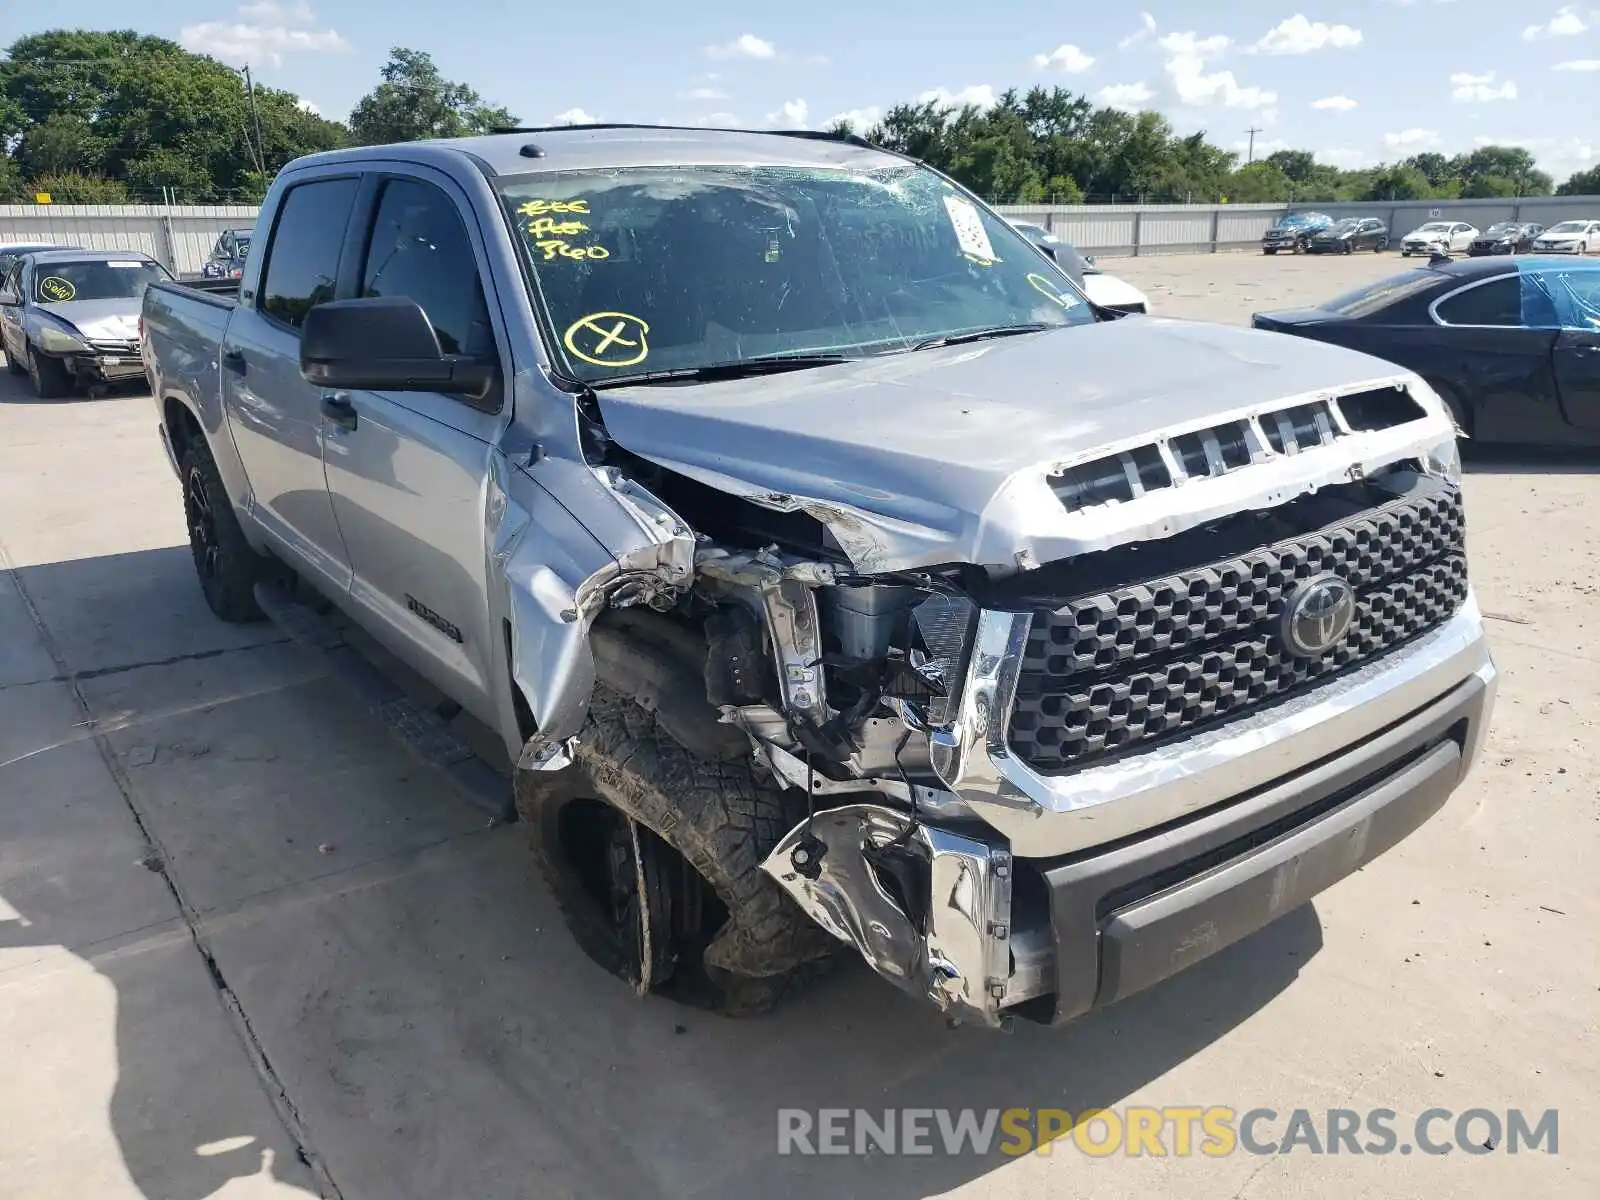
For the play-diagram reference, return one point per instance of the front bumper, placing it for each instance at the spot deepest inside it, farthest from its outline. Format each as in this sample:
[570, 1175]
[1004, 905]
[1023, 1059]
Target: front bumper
[1090, 887]
[1480, 249]
[1559, 248]
[95, 367]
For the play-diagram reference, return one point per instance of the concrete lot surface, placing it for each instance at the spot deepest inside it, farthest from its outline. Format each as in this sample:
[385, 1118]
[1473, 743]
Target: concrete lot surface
[247, 949]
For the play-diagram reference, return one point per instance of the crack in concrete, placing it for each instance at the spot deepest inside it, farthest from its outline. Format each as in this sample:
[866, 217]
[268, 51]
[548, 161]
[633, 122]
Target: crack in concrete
[66, 675]
[266, 1075]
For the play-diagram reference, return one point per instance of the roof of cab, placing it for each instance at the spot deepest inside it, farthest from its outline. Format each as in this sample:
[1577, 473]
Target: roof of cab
[577, 147]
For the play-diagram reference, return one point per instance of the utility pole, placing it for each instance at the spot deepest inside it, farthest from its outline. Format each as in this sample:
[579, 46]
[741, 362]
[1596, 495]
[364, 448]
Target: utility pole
[255, 117]
[1251, 156]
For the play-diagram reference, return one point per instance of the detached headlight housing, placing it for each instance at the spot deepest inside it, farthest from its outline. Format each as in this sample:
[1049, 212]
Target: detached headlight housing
[56, 340]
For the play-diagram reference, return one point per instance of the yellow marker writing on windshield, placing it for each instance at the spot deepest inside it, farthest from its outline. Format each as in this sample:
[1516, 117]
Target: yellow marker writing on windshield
[538, 208]
[1051, 291]
[53, 287]
[608, 339]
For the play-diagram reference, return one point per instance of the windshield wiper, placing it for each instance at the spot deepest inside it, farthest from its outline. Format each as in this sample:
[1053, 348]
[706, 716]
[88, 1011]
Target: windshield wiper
[737, 369]
[978, 335]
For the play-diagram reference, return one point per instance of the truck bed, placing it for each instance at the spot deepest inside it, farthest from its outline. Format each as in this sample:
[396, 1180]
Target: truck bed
[184, 325]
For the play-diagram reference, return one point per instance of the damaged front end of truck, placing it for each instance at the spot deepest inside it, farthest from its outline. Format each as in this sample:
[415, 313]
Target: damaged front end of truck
[974, 700]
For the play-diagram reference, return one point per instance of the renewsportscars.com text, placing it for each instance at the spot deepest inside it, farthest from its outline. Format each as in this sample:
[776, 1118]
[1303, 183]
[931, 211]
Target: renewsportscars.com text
[1178, 1131]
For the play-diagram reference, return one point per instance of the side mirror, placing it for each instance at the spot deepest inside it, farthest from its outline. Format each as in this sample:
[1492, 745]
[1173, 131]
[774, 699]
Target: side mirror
[384, 343]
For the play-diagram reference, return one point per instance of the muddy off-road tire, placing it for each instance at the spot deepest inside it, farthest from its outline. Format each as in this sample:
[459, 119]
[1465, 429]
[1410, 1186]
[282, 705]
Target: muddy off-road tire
[227, 568]
[704, 820]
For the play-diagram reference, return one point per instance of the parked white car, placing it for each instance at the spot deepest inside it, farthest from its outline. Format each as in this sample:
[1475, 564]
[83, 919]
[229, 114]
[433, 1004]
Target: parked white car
[1569, 237]
[1105, 290]
[1437, 237]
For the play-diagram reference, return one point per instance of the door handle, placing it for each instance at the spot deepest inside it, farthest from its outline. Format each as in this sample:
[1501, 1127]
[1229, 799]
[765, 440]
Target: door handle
[234, 361]
[337, 408]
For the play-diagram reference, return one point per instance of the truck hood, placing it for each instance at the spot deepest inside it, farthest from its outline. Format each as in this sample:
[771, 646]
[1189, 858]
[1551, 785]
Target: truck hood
[945, 455]
[110, 320]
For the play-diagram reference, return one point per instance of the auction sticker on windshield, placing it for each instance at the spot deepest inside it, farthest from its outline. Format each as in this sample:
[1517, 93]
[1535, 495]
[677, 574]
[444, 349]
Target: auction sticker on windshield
[970, 233]
[135, 265]
[602, 339]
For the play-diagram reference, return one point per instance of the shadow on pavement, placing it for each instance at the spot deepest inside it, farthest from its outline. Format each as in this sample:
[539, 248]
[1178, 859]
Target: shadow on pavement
[425, 1012]
[1528, 460]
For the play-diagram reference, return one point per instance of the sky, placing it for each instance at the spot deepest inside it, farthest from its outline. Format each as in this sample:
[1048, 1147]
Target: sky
[1357, 82]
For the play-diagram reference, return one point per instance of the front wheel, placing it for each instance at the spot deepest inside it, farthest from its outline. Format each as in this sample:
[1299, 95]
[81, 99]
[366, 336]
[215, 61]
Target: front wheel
[654, 855]
[49, 376]
[228, 568]
[1269, 252]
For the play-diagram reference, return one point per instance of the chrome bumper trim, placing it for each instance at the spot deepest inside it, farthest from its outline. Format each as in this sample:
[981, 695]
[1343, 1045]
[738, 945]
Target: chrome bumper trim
[1044, 816]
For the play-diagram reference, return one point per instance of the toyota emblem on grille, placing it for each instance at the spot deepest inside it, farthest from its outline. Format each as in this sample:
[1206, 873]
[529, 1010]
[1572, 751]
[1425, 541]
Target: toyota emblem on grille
[1318, 616]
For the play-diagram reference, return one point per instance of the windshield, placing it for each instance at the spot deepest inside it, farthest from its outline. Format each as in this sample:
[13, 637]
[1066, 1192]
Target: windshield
[1502, 227]
[1365, 301]
[1434, 227]
[1568, 227]
[95, 279]
[1297, 220]
[647, 269]
[1348, 225]
[241, 246]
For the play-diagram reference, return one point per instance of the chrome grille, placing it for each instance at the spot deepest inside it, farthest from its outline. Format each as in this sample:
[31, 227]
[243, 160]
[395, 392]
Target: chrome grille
[1147, 662]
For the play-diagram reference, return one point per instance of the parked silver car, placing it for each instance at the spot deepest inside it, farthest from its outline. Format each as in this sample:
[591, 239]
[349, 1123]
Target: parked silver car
[70, 318]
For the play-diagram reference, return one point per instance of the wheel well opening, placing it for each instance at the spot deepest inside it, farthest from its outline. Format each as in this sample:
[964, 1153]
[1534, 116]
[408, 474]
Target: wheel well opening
[182, 428]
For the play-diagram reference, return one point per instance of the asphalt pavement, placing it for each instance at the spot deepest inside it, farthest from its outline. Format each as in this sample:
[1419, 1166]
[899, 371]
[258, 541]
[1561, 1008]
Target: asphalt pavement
[249, 949]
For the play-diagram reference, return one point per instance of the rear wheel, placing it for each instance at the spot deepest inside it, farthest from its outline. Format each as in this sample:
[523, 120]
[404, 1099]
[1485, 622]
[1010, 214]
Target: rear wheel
[226, 565]
[49, 376]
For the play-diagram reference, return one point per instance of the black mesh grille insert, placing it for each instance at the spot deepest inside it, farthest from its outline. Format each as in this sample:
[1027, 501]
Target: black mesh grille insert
[1147, 662]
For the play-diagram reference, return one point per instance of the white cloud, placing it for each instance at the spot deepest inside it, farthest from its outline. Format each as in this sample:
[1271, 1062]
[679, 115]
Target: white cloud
[1067, 59]
[859, 119]
[1579, 64]
[1187, 55]
[746, 45]
[308, 107]
[1480, 89]
[1566, 23]
[1335, 104]
[1191, 45]
[1131, 96]
[703, 93]
[1263, 148]
[268, 10]
[1298, 35]
[1147, 26]
[574, 116]
[980, 94]
[791, 114]
[1347, 158]
[261, 44]
[1560, 156]
[1411, 139]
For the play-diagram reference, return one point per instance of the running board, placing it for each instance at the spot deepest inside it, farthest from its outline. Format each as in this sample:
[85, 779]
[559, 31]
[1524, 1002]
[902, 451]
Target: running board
[420, 729]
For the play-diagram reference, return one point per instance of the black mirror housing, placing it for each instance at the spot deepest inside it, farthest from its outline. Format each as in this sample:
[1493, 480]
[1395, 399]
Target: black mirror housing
[384, 343]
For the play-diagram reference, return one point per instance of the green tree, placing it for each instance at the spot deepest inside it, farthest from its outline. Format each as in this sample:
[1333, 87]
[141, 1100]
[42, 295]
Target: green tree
[1298, 166]
[1397, 182]
[1259, 182]
[415, 101]
[144, 111]
[10, 180]
[1583, 183]
[73, 188]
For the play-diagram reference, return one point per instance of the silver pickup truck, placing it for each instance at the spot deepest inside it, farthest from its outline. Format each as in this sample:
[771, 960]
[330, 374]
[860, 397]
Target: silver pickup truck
[830, 567]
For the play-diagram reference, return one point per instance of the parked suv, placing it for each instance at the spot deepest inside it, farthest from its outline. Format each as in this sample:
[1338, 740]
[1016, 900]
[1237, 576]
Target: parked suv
[1294, 231]
[832, 571]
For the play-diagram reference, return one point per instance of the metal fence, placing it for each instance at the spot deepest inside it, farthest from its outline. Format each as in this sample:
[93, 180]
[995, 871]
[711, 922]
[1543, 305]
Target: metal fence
[181, 236]
[1123, 229]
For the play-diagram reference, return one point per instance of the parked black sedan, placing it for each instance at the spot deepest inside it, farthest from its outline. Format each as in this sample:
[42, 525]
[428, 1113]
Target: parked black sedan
[1512, 347]
[1349, 235]
[1505, 237]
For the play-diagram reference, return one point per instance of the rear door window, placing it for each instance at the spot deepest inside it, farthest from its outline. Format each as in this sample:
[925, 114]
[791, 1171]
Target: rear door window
[1570, 296]
[303, 257]
[1498, 303]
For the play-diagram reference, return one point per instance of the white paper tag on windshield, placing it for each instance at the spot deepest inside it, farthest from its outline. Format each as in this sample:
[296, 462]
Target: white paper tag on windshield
[970, 233]
[134, 265]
